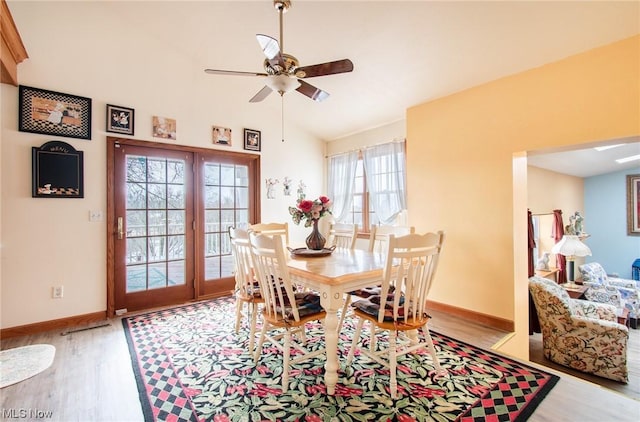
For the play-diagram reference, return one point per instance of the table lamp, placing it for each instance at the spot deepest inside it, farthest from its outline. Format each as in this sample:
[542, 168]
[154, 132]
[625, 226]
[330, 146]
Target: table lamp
[570, 246]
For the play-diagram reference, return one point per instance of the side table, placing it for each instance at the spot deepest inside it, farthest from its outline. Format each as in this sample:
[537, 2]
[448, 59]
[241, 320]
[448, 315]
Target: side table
[577, 292]
[551, 273]
[623, 317]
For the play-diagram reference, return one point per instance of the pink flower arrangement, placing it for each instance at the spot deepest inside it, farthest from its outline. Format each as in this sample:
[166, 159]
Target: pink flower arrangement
[309, 210]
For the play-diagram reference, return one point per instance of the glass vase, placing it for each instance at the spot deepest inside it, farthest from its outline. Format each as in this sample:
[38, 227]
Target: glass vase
[315, 240]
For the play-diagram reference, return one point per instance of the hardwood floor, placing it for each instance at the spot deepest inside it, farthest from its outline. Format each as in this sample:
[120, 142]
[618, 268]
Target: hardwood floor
[91, 379]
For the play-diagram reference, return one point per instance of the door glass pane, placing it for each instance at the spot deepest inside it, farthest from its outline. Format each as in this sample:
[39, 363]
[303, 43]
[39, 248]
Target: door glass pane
[175, 172]
[157, 195]
[136, 278]
[227, 175]
[226, 199]
[155, 223]
[157, 275]
[175, 222]
[175, 195]
[136, 223]
[176, 247]
[157, 170]
[212, 196]
[136, 196]
[176, 272]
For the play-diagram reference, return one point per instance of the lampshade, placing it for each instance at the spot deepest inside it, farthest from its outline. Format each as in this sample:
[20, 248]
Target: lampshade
[570, 245]
[282, 83]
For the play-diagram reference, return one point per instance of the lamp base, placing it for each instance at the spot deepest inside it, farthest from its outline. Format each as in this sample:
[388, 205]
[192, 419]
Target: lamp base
[571, 285]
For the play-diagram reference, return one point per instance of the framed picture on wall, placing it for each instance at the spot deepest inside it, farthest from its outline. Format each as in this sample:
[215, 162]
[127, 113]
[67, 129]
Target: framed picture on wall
[633, 204]
[252, 140]
[120, 119]
[53, 113]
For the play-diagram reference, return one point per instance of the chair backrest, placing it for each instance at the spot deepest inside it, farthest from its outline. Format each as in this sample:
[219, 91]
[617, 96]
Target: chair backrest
[593, 273]
[271, 229]
[270, 265]
[552, 300]
[410, 267]
[343, 235]
[243, 267]
[380, 234]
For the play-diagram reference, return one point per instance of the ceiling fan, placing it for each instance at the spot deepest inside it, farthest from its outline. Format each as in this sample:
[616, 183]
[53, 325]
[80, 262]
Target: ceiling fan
[283, 72]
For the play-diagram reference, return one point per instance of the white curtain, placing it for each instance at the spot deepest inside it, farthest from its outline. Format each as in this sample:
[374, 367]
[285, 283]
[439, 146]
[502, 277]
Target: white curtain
[342, 172]
[384, 167]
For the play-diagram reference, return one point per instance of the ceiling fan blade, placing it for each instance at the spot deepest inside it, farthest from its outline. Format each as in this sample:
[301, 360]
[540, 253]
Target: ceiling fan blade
[316, 94]
[271, 49]
[270, 46]
[261, 95]
[322, 69]
[233, 72]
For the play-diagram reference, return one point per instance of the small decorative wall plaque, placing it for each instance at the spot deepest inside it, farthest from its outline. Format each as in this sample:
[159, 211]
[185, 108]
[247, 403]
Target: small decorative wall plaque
[221, 135]
[164, 128]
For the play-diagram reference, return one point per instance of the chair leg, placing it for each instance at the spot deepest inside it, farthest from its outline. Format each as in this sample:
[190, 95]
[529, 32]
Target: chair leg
[285, 362]
[345, 308]
[373, 338]
[393, 363]
[354, 343]
[258, 350]
[432, 351]
[239, 306]
[254, 321]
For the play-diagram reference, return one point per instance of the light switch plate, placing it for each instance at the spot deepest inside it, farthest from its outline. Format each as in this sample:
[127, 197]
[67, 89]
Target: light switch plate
[96, 216]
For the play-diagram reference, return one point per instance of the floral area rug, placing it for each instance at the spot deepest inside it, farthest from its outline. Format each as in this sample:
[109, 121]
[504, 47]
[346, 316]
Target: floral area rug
[190, 365]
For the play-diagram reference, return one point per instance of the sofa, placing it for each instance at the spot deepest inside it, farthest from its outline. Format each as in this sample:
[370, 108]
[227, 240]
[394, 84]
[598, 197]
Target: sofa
[580, 334]
[593, 274]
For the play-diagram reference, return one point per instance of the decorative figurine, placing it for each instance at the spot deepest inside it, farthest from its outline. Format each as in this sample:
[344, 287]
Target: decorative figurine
[543, 262]
[271, 188]
[301, 194]
[287, 186]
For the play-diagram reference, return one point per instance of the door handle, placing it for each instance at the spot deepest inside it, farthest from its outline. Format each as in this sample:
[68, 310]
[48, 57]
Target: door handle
[120, 228]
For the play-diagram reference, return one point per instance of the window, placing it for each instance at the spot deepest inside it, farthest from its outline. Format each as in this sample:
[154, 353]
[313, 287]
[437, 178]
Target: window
[360, 212]
[376, 193]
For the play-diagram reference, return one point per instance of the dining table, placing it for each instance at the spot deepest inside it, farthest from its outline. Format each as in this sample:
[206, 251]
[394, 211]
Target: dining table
[333, 275]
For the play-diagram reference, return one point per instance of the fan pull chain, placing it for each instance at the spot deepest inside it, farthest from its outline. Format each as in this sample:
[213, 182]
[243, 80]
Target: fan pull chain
[282, 115]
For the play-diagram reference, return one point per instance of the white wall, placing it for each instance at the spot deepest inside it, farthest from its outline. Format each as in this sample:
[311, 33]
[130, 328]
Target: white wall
[75, 49]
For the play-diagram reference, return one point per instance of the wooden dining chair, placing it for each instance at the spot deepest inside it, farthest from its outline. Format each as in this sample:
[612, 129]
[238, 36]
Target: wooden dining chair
[343, 235]
[285, 311]
[378, 238]
[247, 287]
[400, 309]
[379, 235]
[271, 229]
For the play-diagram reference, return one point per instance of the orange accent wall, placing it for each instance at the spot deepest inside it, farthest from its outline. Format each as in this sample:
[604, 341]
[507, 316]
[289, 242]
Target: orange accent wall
[463, 176]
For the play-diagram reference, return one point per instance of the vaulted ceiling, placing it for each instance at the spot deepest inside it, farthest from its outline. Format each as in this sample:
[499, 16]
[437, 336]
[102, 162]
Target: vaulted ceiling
[404, 52]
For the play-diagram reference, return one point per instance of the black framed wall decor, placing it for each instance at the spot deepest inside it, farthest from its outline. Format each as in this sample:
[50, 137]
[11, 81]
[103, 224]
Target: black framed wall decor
[54, 113]
[58, 171]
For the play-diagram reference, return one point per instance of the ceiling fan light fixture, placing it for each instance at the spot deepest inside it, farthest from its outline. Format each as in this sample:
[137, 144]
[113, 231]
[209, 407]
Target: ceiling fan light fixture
[282, 83]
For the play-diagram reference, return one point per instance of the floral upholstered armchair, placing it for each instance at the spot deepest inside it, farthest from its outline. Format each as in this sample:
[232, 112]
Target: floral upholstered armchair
[593, 273]
[580, 334]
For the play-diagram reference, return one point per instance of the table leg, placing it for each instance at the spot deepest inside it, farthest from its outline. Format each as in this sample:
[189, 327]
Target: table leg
[331, 305]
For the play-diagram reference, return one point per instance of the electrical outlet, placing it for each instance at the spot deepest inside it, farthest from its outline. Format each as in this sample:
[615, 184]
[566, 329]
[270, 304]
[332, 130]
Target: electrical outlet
[57, 292]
